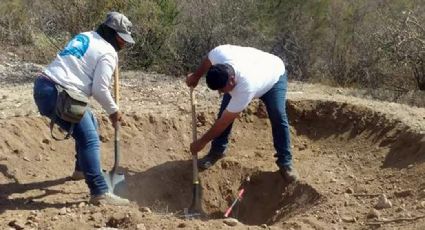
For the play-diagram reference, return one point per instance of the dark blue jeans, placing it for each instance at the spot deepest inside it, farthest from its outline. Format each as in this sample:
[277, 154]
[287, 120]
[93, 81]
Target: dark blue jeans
[87, 143]
[275, 101]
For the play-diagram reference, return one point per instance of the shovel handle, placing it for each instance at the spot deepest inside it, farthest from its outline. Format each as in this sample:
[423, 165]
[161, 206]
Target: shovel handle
[117, 126]
[116, 85]
[194, 137]
[193, 109]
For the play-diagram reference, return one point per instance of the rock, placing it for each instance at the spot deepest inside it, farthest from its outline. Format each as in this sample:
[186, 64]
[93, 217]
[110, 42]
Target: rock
[182, 225]
[383, 202]
[96, 217]
[45, 141]
[231, 221]
[349, 191]
[141, 226]
[264, 226]
[404, 193]
[82, 204]
[152, 119]
[145, 209]
[373, 213]
[349, 219]
[62, 211]
[17, 224]
[104, 138]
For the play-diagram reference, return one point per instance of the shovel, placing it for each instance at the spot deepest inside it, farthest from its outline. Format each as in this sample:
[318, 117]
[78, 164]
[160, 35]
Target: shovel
[195, 209]
[114, 179]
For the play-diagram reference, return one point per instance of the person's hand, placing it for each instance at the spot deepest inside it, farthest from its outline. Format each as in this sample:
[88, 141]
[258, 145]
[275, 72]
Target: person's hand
[115, 118]
[196, 146]
[192, 80]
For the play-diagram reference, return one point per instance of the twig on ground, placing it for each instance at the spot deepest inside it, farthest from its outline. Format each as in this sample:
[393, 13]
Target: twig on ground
[397, 220]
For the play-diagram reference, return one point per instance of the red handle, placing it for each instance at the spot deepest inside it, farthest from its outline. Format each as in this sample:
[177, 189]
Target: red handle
[234, 203]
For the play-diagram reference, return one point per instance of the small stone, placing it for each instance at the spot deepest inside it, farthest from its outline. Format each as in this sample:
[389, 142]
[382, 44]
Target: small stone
[373, 214]
[17, 224]
[423, 204]
[383, 202]
[264, 226]
[45, 141]
[145, 209]
[231, 221]
[349, 191]
[181, 225]
[82, 204]
[348, 219]
[140, 226]
[62, 211]
[152, 119]
[55, 218]
[404, 193]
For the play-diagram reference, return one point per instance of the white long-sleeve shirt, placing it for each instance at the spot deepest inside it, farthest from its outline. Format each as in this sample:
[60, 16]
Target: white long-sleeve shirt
[86, 64]
[256, 72]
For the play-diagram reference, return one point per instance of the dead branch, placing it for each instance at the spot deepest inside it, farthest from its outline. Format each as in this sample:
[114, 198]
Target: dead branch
[397, 220]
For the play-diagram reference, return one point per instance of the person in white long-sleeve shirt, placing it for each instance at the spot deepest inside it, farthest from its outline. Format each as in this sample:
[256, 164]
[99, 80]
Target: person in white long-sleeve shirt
[242, 74]
[86, 64]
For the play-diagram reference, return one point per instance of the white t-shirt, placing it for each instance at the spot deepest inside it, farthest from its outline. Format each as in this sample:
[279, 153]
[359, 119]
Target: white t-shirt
[86, 64]
[256, 72]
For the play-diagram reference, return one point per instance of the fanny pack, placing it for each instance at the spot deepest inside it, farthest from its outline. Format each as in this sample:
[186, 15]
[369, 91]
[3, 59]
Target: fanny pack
[70, 106]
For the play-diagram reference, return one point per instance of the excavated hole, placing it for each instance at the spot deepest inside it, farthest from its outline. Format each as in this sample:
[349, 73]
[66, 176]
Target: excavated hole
[158, 172]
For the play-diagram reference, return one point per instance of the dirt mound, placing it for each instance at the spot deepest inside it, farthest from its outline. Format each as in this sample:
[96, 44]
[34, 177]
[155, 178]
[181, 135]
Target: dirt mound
[347, 154]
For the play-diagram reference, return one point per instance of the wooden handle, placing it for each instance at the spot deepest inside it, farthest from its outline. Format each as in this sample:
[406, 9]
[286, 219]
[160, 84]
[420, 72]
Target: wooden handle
[193, 105]
[116, 85]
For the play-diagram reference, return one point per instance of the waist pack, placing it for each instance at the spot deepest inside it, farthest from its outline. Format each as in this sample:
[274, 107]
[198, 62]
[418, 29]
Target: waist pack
[70, 106]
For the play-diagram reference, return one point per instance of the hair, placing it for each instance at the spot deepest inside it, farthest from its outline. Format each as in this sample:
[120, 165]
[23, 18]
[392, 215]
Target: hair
[218, 75]
[109, 35]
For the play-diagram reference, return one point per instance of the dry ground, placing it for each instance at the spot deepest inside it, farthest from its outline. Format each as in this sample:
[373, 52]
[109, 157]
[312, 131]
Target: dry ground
[349, 152]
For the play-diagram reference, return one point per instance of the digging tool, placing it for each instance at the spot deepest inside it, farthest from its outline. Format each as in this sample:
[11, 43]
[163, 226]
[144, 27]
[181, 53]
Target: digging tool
[195, 209]
[238, 199]
[114, 179]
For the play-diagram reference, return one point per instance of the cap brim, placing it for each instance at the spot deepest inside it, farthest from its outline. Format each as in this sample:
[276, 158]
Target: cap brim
[127, 38]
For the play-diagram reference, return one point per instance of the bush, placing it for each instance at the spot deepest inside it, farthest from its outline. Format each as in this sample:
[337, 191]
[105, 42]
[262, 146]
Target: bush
[15, 26]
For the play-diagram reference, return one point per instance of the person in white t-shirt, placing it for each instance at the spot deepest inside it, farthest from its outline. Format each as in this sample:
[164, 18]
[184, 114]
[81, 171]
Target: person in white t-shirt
[86, 65]
[242, 74]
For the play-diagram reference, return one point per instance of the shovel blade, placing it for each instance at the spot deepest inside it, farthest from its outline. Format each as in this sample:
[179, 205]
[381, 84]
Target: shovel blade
[116, 183]
[195, 209]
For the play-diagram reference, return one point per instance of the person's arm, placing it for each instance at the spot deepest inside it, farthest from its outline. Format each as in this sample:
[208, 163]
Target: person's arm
[100, 89]
[193, 78]
[219, 126]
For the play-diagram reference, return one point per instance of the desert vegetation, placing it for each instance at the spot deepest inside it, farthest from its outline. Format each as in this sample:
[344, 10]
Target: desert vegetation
[362, 44]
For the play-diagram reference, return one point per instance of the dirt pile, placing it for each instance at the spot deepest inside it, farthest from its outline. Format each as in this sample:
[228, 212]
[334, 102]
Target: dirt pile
[348, 151]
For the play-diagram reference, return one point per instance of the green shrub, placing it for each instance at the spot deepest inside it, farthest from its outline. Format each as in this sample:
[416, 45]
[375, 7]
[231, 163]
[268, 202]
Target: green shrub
[15, 28]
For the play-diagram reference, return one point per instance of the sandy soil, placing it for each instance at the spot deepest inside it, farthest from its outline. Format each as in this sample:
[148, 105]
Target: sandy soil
[351, 153]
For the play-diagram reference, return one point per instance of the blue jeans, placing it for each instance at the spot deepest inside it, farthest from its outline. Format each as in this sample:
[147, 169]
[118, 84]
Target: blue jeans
[275, 101]
[87, 143]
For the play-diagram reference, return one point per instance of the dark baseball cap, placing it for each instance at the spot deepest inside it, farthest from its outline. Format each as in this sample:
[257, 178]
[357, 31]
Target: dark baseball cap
[121, 25]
